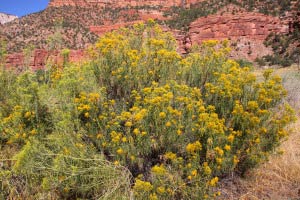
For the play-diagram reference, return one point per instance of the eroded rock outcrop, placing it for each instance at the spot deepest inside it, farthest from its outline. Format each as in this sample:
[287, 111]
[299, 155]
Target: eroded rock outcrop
[40, 57]
[245, 24]
[245, 30]
[4, 18]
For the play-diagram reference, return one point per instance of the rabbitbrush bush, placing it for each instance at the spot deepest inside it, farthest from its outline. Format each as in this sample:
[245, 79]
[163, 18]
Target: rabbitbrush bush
[137, 120]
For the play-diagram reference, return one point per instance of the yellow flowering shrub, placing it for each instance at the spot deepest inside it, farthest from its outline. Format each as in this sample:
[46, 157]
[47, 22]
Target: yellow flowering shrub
[175, 124]
[132, 58]
[24, 115]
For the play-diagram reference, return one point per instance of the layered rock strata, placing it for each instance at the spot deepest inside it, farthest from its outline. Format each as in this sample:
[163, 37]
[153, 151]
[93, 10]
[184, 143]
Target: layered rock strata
[39, 58]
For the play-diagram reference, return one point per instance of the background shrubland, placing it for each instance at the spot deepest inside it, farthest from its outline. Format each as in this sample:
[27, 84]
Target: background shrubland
[137, 120]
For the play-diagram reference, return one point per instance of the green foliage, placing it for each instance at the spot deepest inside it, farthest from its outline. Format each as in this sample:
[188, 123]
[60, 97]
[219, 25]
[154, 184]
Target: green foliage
[182, 17]
[137, 120]
[55, 40]
[28, 53]
[62, 163]
[284, 46]
[244, 63]
[3, 52]
[65, 54]
[260, 61]
[277, 59]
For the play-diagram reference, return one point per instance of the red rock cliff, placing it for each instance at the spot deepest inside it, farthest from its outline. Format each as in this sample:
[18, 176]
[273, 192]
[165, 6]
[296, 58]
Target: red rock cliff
[246, 24]
[246, 30]
[39, 59]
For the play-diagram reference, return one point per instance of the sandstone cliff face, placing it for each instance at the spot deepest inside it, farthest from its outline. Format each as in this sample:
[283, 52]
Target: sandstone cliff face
[4, 18]
[246, 24]
[246, 30]
[124, 3]
[39, 58]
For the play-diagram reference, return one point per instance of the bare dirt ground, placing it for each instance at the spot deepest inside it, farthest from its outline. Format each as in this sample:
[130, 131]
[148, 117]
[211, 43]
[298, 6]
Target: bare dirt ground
[279, 177]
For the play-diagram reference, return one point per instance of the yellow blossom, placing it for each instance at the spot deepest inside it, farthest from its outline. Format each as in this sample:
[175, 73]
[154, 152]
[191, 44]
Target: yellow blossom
[79, 145]
[213, 182]
[219, 160]
[136, 131]
[263, 130]
[158, 170]
[33, 131]
[235, 160]
[124, 139]
[230, 138]
[168, 124]
[170, 155]
[194, 172]
[206, 169]
[219, 151]
[193, 147]
[27, 114]
[99, 136]
[120, 151]
[128, 124]
[144, 133]
[179, 132]
[161, 190]
[116, 162]
[143, 186]
[162, 115]
[227, 147]
[153, 196]
[257, 140]
[132, 158]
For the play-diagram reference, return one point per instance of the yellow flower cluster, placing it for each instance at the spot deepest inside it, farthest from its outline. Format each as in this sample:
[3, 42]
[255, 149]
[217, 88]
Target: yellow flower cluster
[192, 148]
[143, 186]
[206, 169]
[158, 170]
[170, 155]
[213, 182]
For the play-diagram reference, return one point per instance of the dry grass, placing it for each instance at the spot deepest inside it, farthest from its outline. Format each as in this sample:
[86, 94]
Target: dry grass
[278, 178]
